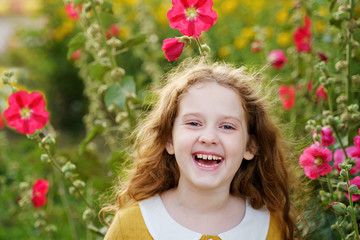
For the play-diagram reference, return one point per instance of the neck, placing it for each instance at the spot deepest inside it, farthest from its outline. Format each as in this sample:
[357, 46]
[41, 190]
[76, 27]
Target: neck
[202, 200]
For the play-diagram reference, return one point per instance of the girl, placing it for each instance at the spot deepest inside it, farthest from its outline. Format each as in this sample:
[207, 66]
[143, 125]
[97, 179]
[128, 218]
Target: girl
[210, 163]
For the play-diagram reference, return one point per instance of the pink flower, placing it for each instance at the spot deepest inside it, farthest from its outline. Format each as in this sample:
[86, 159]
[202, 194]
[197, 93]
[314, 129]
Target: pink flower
[310, 85]
[287, 96]
[72, 12]
[277, 59]
[320, 93]
[192, 17]
[172, 48]
[40, 189]
[315, 161]
[356, 153]
[302, 36]
[2, 125]
[339, 157]
[256, 46]
[26, 112]
[322, 56]
[356, 182]
[327, 137]
[76, 55]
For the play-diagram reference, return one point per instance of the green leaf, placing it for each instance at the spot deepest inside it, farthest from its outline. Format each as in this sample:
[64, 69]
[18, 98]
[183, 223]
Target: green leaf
[138, 39]
[128, 84]
[115, 95]
[77, 41]
[97, 71]
[107, 19]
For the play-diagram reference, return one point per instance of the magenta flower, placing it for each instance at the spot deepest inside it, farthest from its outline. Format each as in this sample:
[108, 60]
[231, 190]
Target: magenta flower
[356, 153]
[26, 112]
[72, 12]
[322, 57]
[320, 93]
[172, 48]
[339, 157]
[40, 189]
[192, 17]
[302, 36]
[277, 59]
[327, 137]
[287, 96]
[356, 182]
[315, 161]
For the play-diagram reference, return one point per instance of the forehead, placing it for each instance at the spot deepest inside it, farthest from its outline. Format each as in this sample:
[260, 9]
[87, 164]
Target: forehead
[211, 96]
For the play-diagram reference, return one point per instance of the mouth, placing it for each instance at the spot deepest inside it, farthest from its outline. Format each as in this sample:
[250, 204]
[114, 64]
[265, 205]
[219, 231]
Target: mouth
[208, 160]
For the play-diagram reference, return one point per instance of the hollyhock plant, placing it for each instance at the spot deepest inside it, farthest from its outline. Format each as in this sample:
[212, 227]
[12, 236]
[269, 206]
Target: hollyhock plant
[327, 137]
[172, 48]
[256, 46]
[277, 59]
[302, 36]
[315, 161]
[40, 189]
[356, 182]
[113, 31]
[26, 112]
[191, 17]
[287, 96]
[73, 12]
[339, 158]
[320, 93]
[356, 153]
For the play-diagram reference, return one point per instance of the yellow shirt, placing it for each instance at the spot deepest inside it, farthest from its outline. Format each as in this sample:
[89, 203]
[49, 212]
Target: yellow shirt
[129, 224]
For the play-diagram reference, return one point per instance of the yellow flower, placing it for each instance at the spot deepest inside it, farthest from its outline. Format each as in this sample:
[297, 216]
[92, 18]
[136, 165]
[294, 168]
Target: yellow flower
[268, 31]
[31, 6]
[4, 7]
[240, 42]
[124, 32]
[283, 39]
[322, 11]
[131, 2]
[281, 16]
[161, 11]
[63, 30]
[224, 51]
[320, 26]
[248, 33]
[229, 6]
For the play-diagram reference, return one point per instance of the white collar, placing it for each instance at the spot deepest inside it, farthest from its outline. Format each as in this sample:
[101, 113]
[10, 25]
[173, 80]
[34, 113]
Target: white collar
[162, 226]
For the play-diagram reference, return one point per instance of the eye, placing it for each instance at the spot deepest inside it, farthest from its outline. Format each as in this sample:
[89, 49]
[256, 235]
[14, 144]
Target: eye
[193, 123]
[227, 127]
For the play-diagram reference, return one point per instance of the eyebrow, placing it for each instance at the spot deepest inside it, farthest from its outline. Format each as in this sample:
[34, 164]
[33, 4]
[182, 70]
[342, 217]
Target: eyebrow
[196, 114]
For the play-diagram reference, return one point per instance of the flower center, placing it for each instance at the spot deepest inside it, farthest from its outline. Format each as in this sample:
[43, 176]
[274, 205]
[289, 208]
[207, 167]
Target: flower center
[319, 161]
[25, 112]
[191, 13]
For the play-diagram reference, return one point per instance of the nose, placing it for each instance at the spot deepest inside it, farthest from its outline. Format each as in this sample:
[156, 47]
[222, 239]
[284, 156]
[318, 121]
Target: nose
[208, 136]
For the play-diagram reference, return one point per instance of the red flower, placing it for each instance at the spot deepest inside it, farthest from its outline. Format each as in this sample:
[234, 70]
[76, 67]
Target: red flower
[287, 96]
[339, 158]
[356, 153]
[172, 48]
[72, 12]
[320, 92]
[40, 189]
[356, 182]
[277, 59]
[76, 55]
[26, 112]
[302, 36]
[327, 137]
[315, 161]
[113, 31]
[256, 46]
[192, 17]
[322, 56]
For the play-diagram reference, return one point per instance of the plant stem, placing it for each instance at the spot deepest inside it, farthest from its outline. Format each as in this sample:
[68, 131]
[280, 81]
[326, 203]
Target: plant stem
[330, 187]
[200, 49]
[352, 213]
[348, 56]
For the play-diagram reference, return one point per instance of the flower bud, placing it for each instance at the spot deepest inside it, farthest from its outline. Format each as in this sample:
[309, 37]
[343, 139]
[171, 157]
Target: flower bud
[50, 228]
[5, 80]
[322, 80]
[68, 175]
[338, 207]
[72, 190]
[79, 184]
[341, 65]
[8, 73]
[356, 78]
[353, 189]
[344, 173]
[87, 7]
[114, 42]
[326, 113]
[341, 186]
[44, 158]
[117, 73]
[353, 108]
[68, 167]
[24, 186]
[39, 223]
[321, 66]
[121, 116]
[102, 53]
[205, 48]
[48, 141]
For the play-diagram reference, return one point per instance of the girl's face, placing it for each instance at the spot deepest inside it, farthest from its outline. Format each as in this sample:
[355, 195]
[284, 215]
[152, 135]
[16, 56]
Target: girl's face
[209, 136]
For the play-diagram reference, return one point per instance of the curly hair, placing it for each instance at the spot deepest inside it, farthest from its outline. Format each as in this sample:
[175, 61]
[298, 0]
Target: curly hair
[263, 181]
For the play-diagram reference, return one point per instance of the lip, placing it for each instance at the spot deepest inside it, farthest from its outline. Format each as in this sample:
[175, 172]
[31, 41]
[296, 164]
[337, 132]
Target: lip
[209, 168]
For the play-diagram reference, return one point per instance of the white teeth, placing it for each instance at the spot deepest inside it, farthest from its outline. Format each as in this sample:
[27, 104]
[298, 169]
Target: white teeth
[208, 157]
[209, 166]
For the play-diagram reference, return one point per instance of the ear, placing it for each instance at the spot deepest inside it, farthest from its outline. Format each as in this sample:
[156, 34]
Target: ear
[249, 155]
[170, 146]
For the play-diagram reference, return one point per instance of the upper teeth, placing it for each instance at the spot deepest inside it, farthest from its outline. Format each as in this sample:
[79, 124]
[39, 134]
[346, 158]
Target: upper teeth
[208, 157]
